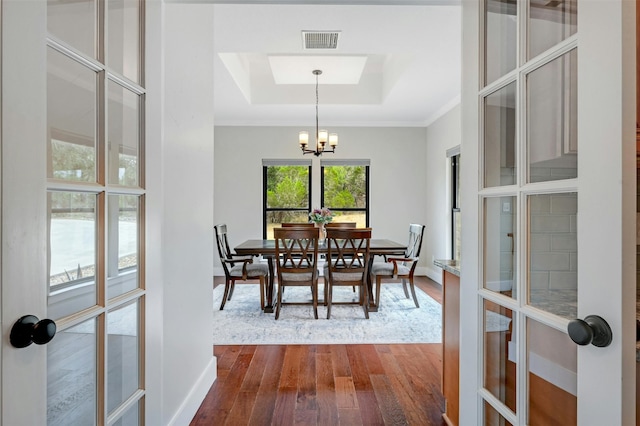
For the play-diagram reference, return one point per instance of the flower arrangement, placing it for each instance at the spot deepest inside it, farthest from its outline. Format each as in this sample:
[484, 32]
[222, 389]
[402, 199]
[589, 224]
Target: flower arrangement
[321, 216]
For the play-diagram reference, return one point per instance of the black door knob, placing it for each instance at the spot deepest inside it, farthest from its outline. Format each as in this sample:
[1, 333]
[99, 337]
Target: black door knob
[593, 329]
[29, 329]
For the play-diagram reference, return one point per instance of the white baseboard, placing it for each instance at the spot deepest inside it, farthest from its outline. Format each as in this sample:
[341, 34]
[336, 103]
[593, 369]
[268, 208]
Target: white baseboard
[435, 274]
[191, 403]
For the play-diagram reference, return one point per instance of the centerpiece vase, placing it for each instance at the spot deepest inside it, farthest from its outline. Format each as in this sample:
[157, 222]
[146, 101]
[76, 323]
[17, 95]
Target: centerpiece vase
[323, 232]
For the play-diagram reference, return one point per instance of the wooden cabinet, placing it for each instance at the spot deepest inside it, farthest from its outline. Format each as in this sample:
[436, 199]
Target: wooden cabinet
[451, 345]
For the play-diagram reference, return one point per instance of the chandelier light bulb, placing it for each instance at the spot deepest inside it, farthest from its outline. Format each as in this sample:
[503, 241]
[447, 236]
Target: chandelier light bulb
[304, 138]
[333, 139]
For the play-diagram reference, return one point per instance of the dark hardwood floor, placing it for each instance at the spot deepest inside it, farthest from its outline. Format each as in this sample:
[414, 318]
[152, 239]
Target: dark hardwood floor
[327, 384]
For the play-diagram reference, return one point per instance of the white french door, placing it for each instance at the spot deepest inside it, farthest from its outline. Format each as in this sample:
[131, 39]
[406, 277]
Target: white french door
[548, 233]
[73, 211]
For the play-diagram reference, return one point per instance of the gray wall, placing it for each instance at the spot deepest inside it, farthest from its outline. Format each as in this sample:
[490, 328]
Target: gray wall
[442, 134]
[179, 324]
[398, 184]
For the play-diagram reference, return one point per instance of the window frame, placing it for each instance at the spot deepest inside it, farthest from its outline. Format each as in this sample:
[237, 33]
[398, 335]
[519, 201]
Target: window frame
[334, 163]
[454, 166]
[265, 208]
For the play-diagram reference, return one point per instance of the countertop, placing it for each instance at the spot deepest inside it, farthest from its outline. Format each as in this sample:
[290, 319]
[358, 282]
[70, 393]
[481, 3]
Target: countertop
[448, 265]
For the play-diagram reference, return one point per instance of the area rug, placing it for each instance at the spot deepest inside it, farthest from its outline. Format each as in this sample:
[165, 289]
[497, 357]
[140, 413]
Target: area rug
[397, 320]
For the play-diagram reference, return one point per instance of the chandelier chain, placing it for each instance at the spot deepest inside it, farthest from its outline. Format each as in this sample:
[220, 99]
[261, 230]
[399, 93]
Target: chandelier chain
[317, 100]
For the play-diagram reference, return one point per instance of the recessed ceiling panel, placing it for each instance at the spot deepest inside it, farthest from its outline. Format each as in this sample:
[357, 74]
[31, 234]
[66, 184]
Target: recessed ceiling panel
[298, 69]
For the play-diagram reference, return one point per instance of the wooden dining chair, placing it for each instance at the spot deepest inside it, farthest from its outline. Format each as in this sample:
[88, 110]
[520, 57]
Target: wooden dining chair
[238, 267]
[297, 225]
[347, 264]
[401, 268]
[297, 263]
[341, 225]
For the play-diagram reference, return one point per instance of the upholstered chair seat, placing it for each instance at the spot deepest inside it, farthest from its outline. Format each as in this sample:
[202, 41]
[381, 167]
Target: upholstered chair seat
[297, 277]
[254, 270]
[342, 276]
[381, 268]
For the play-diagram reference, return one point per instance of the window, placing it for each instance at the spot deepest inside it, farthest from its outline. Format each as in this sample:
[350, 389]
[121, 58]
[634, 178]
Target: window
[286, 193]
[345, 190]
[454, 155]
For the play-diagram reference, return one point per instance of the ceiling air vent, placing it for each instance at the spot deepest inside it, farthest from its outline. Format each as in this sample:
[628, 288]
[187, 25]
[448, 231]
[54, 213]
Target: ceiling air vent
[320, 39]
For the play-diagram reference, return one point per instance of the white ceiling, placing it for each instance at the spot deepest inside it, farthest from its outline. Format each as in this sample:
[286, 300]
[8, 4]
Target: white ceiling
[395, 65]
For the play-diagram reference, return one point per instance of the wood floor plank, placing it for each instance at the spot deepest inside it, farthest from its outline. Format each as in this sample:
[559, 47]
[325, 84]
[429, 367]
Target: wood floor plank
[306, 398]
[226, 360]
[284, 412]
[291, 367]
[253, 378]
[340, 361]
[242, 409]
[374, 366]
[326, 396]
[391, 410]
[266, 399]
[359, 371]
[345, 393]
[369, 408]
[305, 417]
[411, 399]
[349, 417]
[227, 395]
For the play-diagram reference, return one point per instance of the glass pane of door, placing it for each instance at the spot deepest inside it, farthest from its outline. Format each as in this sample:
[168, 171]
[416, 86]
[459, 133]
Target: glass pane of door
[500, 41]
[552, 366]
[550, 22]
[123, 135]
[123, 354]
[500, 245]
[552, 120]
[124, 37]
[72, 126]
[553, 253]
[500, 167]
[72, 252]
[72, 376]
[75, 23]
[123, 244]
[500, 353]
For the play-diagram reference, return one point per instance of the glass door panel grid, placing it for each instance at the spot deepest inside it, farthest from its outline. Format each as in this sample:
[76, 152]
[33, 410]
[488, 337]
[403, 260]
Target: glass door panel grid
[94, 317]
[492, 407]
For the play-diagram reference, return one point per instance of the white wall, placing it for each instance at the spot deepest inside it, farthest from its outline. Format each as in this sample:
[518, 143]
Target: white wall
[443, 134]
[180, 362]
[398, 179]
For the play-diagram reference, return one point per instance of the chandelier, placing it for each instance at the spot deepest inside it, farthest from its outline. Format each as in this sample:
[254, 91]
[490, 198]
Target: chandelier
[322, 136]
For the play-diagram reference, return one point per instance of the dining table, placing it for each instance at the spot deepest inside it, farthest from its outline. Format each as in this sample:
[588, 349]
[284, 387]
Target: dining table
[267, 249]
